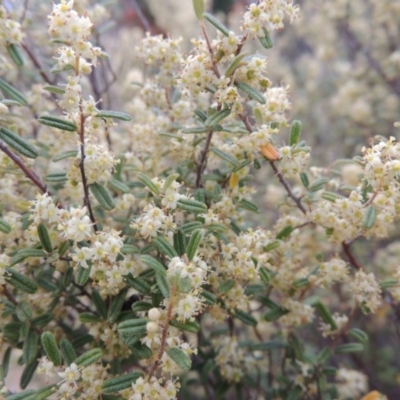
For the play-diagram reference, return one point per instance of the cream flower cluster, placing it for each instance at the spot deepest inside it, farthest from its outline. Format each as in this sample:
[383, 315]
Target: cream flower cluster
[99, 163]
[10, 30]
[268, 14]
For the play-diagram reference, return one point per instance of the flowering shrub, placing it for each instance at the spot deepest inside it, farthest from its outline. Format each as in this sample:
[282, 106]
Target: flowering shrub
[130, 265]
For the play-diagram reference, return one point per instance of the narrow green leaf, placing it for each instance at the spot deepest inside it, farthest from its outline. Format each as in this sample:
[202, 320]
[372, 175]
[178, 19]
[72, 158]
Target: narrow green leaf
[17, 143]
[251, 92]
[141, 351]
[50, 347]
[180, 242]
[193, 244]
[114, 115]
[129, 249]
[58, 123]
[133, 327]
[102, 195]
[318, 185]
[272, 246]
[325, 315]
[15, 54]
[147, 182]
[248, 205]
[226, 286]
[65, 154]
[120, 382]
[5, 227]
[82, 276]
[295, 132]
[265, 275]
[217, 24]
[195, 130]
[67, 351]
[118, 185]
[304, 179]
[88, 317]
[236, 62]
[266, 40]
[54, 89]
[44, 237]
[24, 311]
[358, 334]
[56, 177]
[189, 227]
[199, 8]
[27, 375]
[369, 217]
[210, 298]
[193, 206]
[181, 358]
[275, 313]
[30, 347]
[163, 285]
[245, 317]
[29, 394]
[116, 306]
[138, 284]
[349, 348]
[13, 93]
[153, 263]
[89, 357]
[20, 281]
[99, 304]
[217, 117]
[225, 156]
[140, 306]
[45, 392]
[164, 247]
[285, 232]
[188, 326]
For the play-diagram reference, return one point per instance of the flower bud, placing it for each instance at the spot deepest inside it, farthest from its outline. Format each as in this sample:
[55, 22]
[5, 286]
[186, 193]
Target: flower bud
[269, 151]
[3, 109]
[154, 314]
[152, 327]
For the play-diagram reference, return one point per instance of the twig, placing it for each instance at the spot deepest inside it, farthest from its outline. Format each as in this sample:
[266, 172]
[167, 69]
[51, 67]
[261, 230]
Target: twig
[210, 49]
[164, 334]
[9, 296]
[27, 171]
[36, 64]
[289, 190]
[203, 161]
[142, 17]
[86, 200]
[350, 256]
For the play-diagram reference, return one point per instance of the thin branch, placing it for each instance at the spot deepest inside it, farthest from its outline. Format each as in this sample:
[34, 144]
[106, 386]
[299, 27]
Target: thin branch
[203, 161]
[86, 200]
[9, 296]
[27, 171]
[142, 17]
[350, 256]
[36, 64]
[210, 49]
[168, 318]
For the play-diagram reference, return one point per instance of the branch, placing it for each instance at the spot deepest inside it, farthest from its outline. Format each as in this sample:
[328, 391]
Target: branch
[27, 171]
[350, 256]
[86, 200]
[36, 64]
[164, 334]
[203, 161]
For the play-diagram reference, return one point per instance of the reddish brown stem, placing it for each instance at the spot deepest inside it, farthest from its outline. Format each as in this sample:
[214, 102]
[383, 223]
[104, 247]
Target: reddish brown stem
[27, 171]
[164, 334]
